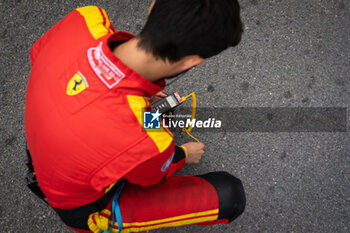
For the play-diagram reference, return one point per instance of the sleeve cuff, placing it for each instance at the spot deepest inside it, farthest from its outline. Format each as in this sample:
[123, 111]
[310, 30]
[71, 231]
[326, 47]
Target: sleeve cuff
[180, 154]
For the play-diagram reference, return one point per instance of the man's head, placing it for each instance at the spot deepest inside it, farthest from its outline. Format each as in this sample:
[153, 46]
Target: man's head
[191, 30]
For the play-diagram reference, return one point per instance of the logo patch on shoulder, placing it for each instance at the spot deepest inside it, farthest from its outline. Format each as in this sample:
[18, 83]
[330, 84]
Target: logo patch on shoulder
[108, 73]
[76, 84]
[167, 163]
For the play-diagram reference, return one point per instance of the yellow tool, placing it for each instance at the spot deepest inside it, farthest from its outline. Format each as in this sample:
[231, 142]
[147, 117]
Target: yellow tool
[171, 101]
[194, 103]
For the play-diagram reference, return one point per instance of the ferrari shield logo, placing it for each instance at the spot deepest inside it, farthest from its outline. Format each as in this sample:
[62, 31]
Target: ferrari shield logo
[76, 84]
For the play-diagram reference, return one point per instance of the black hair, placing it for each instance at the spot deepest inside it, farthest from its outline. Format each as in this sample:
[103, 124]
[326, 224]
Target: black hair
[178, 28]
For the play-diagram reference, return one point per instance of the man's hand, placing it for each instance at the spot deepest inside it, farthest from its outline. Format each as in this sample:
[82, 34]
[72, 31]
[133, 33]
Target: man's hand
[158, 96]
[195, 152]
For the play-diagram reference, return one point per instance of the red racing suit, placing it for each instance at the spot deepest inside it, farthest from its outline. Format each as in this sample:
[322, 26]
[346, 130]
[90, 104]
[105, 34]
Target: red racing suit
[84, 129]
[84, 113]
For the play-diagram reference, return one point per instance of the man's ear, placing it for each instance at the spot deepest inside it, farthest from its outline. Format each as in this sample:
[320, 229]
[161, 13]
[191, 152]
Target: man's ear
[151, 7]
[190, 61]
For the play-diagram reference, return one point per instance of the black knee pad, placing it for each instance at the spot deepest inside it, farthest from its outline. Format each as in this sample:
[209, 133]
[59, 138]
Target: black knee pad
[230, 192]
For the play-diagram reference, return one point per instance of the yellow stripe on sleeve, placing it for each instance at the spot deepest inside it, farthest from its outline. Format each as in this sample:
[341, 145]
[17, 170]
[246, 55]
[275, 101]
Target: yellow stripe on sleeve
[95, 20]
[161, 137]
[108, 22]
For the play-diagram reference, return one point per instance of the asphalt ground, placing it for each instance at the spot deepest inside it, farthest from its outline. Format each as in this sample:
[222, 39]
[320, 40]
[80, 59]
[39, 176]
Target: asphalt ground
[293, 54]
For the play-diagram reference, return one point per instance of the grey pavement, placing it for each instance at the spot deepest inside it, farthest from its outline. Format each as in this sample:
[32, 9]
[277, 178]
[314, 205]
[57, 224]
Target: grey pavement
[293, 53]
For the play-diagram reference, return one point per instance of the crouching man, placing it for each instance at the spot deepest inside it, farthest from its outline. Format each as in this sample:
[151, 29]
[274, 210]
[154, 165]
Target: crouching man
[88, 88]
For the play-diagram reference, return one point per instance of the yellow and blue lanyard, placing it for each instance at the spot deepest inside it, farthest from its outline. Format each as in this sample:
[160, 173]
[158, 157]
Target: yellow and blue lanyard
[116, 210]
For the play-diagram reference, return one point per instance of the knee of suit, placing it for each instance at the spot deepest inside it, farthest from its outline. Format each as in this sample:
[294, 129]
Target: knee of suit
[230, 192]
